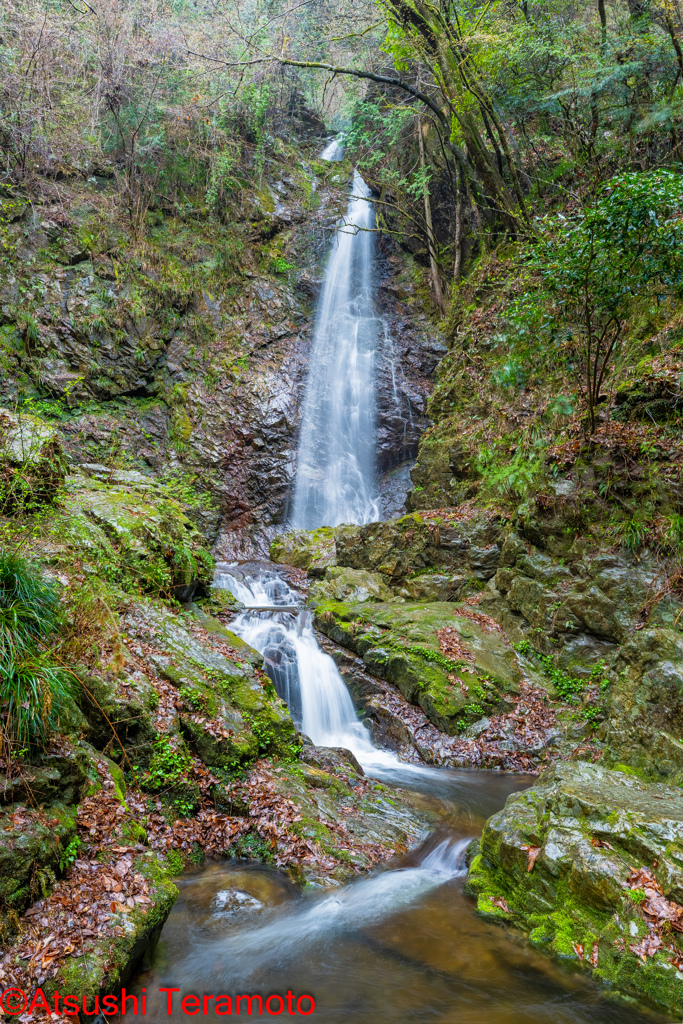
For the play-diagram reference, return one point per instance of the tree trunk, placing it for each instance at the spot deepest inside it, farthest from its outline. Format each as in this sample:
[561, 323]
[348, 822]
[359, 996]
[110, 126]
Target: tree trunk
[436, 280]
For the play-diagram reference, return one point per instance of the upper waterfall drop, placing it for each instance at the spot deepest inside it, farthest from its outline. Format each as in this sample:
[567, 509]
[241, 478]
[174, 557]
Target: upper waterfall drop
[335, 481]
[333, 150]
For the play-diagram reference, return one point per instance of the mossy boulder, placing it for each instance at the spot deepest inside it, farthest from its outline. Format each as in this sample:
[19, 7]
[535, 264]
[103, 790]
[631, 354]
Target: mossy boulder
[400, 643]
[54, 777]
[230, 712]
[558, 862]
[314, 550]
[432, 585]
[31, 848]
[445, 472]
[129, 533]
[32, 463]
[143, 534]
[345, 818]
[399, 548]
[119, 707]
[579, 608]
[350, 585]
[644, 727]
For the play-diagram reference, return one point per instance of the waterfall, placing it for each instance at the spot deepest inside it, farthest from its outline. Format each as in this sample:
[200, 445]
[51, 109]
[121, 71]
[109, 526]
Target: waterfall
[335, 484]
[334, 150]
[305, 677]
[335, 480]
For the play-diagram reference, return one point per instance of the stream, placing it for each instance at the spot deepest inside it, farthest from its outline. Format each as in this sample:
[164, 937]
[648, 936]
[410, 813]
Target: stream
[402, 945]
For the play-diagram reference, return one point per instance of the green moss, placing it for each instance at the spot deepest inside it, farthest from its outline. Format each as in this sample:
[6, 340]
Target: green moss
[174, 863]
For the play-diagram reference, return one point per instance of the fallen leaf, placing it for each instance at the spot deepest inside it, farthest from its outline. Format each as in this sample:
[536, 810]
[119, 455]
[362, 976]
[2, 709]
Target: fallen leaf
[648, 946]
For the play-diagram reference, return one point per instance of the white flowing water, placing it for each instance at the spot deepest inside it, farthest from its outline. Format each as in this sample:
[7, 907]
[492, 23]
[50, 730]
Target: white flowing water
[334, 150]
[287, 935]
[305, 677]
[336, 480]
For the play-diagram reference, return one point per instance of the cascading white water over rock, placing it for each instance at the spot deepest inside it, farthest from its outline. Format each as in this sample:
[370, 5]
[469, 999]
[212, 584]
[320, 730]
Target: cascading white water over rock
[335, 481]
[304, 676]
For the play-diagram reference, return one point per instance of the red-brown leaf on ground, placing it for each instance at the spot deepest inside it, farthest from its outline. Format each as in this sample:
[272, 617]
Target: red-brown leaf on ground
[677, 960]
[578, 949]
[593, 958]
[501, 903]
[642, 877]
[648, 946]
[600, 844]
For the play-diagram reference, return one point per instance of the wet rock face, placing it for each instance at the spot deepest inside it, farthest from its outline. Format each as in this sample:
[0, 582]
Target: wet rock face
[182, 377]
[644, 727]
[589, 862]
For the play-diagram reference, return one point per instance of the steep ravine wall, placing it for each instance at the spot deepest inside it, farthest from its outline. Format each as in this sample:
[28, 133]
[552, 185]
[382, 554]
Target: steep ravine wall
[165, 359]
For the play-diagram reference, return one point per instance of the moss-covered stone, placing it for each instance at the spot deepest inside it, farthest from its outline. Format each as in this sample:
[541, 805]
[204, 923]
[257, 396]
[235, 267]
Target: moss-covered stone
[345, 816]
[398, 548]
[350, 585]
[141, 537]
[231, 710]
[588, 828]
[119, 708]
[53, 777]
[399, 642]
[32, 845]
[314, 550]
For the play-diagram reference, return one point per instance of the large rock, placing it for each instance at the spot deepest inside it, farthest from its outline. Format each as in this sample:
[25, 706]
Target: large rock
[402, 547]
[313, 550]
[644, 726]
[229, 710]
[400, 643]
[589, 863]
[347, 822]
[350, 585]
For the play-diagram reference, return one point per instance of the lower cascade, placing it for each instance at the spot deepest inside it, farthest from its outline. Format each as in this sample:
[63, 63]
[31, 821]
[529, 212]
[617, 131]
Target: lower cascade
[305, 677]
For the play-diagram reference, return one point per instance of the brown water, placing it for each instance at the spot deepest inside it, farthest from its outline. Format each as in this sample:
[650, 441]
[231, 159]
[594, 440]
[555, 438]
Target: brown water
[401, 946]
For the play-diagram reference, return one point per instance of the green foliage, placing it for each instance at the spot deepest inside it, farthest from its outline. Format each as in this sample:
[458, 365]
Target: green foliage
[568, 687]
[70, 854]
[223, 183]
[168, 767]
[33, 692]
[626, 242]
[510, 477]
[279, 265]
